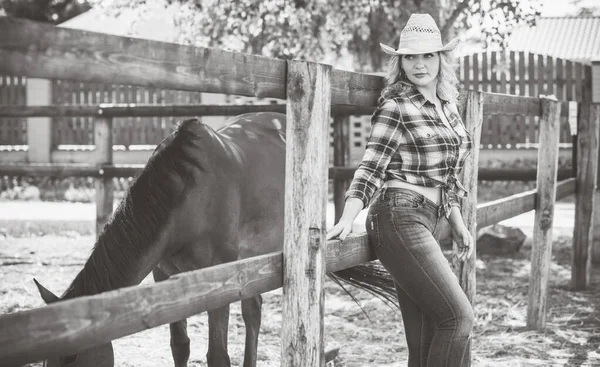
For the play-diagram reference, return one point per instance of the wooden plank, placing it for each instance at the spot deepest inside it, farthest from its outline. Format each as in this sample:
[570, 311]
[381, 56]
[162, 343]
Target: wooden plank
[103, 140]
[505, 104]
[569, 78]
[355, 89]
[473, 118]
[549, 76]
[475, 85]
[151, 110]
[578, 82]
[467, 78]
[493, 212]
[4, 121]
[304, 248]
[532, 92]
[44, 51]
[587, 178]
[541, 254]
[540, 73]
[74, 325]
[341, 158]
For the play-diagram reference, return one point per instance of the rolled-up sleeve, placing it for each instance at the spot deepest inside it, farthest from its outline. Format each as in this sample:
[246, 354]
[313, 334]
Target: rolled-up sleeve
[386, 130]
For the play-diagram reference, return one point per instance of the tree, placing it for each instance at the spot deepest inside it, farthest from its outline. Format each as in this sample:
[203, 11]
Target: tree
[310, 29]
[53, 11]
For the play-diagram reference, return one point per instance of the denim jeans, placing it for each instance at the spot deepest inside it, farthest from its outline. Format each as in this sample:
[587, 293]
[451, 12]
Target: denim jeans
[438, 318]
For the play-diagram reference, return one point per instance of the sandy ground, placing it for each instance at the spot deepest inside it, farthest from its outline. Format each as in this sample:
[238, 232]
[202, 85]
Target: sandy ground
[572, 336]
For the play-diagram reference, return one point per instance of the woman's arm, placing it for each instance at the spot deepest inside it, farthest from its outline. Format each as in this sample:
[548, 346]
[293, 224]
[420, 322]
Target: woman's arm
[352, 207]
[460, 234]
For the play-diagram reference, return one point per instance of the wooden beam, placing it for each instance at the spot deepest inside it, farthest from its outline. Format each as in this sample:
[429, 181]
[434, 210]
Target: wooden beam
[473, 118]
[587, 173]
[42, 50]
[141, 110]
[507, 104]
[71, 326]
[103, 140]
[496, 211]
[541, 253]
[304, 247]
[356, 89]
[341, 157]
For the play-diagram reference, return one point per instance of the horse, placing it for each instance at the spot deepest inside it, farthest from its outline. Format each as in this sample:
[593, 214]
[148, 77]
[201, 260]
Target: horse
[204, 198]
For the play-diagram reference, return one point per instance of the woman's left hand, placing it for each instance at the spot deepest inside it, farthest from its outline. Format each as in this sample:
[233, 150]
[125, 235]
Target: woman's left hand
[464, 240]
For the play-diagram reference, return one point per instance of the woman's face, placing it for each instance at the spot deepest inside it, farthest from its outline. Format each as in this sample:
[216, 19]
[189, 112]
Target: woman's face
[423, 69]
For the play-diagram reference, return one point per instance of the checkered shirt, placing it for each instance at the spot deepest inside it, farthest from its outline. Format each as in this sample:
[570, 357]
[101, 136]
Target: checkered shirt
[409, 142]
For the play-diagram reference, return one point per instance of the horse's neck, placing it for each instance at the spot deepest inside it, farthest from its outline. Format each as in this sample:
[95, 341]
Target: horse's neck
[108, 269]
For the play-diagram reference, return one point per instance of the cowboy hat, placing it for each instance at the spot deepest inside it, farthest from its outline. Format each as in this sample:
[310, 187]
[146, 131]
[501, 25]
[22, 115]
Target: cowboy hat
[420, 36]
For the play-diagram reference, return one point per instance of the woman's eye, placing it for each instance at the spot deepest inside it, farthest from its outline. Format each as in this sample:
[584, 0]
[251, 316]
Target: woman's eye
[428, 56]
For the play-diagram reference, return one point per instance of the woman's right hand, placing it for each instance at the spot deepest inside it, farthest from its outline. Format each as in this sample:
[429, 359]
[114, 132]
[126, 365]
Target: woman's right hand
[341, 230]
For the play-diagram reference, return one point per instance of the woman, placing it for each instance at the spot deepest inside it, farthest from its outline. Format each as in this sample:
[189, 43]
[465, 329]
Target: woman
[417, 145]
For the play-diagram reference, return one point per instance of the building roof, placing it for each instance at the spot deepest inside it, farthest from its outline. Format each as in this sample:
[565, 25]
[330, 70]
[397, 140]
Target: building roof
[571, 38]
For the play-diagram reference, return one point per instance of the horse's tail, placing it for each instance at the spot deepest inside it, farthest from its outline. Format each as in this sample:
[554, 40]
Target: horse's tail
[371, 277]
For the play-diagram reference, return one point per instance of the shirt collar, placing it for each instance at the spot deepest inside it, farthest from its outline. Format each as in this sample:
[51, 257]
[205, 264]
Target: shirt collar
[418, 99]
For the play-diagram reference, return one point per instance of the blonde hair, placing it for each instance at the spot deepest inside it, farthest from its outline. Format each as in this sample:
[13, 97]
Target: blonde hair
[447, 82]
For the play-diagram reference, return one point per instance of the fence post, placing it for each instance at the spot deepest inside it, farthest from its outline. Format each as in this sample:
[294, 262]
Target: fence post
[541, 254]
[473, 118]
[39, 129]
[103, 140]
[304, 249]
[587, 163]
[341, 157]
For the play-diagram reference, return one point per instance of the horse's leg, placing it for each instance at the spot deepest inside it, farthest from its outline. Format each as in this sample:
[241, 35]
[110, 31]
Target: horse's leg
[218, 324]
[180, 343]
[251, 312]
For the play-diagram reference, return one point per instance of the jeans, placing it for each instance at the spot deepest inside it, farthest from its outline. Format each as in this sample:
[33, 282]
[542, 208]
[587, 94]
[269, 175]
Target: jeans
[438, 318]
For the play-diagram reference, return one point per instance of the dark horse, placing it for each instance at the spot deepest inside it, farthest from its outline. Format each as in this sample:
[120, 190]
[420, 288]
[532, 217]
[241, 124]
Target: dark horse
[204, 198]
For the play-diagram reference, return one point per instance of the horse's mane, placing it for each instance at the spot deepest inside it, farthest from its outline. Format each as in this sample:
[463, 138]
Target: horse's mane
[141, 216]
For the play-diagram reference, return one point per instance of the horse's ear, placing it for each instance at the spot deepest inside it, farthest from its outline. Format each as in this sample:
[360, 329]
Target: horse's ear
[47, 296]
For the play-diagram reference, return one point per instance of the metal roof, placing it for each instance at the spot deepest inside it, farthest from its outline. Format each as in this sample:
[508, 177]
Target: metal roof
[571, 38]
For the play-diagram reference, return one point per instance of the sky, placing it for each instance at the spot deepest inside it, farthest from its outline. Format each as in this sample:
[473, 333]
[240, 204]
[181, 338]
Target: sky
[557, 8]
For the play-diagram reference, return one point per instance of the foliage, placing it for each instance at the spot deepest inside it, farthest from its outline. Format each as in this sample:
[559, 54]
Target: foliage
[313, 29]
[53, 11]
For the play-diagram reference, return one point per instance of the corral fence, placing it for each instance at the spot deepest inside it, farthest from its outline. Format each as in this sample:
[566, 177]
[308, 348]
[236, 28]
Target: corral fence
[312, 91]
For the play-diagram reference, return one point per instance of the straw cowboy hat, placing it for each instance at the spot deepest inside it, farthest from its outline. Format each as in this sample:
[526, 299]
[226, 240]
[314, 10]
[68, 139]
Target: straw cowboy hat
[420, 36]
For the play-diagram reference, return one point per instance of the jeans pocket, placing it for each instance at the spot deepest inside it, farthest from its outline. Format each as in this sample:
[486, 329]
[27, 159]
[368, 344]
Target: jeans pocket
[373, 231]
[406, 202]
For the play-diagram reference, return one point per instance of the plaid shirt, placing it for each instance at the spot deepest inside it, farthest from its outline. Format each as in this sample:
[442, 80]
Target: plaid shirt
[409, 142]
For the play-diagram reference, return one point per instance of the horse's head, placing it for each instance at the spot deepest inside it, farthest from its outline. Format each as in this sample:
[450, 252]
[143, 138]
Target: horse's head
[99, 356]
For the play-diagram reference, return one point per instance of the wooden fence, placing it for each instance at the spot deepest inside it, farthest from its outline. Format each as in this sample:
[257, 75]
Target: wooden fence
[12, 93]
[525, 74]
[311, 90]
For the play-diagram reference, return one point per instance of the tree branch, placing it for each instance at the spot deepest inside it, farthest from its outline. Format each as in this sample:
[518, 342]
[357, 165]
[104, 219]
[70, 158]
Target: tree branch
[460, 8]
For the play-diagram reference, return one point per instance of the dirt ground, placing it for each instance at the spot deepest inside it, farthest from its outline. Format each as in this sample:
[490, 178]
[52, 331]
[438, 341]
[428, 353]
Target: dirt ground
[572, 336]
